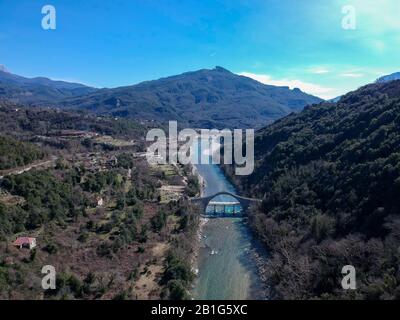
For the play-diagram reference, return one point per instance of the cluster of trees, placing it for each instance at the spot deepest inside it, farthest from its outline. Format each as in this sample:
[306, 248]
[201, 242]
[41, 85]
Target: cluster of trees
[193, 186]
[178, 275]
[143, 190]
[96, 182]
[46, 199]
[330, 180]
[125, 160]
[14, 153]
[144, 184]
[64, 194]
[123, 227]
[69, 286]
[159, 221]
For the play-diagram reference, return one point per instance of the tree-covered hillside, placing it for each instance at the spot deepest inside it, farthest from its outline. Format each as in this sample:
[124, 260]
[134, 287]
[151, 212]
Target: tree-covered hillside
[330, 178]
[205, 98]
[37, 90]
[14, 153]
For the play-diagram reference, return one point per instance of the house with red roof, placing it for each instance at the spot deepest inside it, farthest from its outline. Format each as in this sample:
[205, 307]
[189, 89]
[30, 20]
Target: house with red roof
[25, 242]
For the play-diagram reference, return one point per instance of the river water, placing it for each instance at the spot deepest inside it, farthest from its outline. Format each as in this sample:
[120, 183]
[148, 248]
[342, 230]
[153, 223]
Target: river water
[226, 259]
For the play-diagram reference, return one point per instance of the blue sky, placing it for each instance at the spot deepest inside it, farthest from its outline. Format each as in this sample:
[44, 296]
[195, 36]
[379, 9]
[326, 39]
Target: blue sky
[282, 42]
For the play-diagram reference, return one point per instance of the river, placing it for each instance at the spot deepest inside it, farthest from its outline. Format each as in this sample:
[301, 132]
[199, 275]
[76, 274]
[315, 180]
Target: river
[226, 258]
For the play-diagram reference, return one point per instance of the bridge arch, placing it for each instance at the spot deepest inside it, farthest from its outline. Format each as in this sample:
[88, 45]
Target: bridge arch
[244, 202]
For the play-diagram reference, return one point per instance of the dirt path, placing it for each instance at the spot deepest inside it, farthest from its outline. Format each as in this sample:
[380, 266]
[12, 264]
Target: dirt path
[20, 170]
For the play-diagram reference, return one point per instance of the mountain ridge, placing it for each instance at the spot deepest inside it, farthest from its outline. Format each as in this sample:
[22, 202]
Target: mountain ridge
[210, 98]
[390, 77]
[37, 90]
[206, 98]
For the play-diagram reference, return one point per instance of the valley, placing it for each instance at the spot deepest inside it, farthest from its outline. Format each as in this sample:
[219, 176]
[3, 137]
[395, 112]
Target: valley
[228, 257]
[199, 159]
[117, 227]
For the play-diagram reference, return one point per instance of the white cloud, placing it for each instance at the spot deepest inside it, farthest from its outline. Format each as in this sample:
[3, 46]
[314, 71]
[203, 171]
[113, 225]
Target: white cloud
[352, 75]
[319, 70]
[311, 88]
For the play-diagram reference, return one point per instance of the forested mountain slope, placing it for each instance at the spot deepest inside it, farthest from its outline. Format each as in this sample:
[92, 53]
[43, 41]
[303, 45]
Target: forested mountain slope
[330, 178]
[205, 98]
[37, 90]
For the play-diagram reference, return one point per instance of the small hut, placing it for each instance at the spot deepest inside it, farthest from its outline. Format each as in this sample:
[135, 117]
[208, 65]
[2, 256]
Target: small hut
[25, 242]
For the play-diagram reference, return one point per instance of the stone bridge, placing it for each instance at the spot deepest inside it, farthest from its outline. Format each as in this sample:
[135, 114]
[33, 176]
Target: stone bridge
[244, 202]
